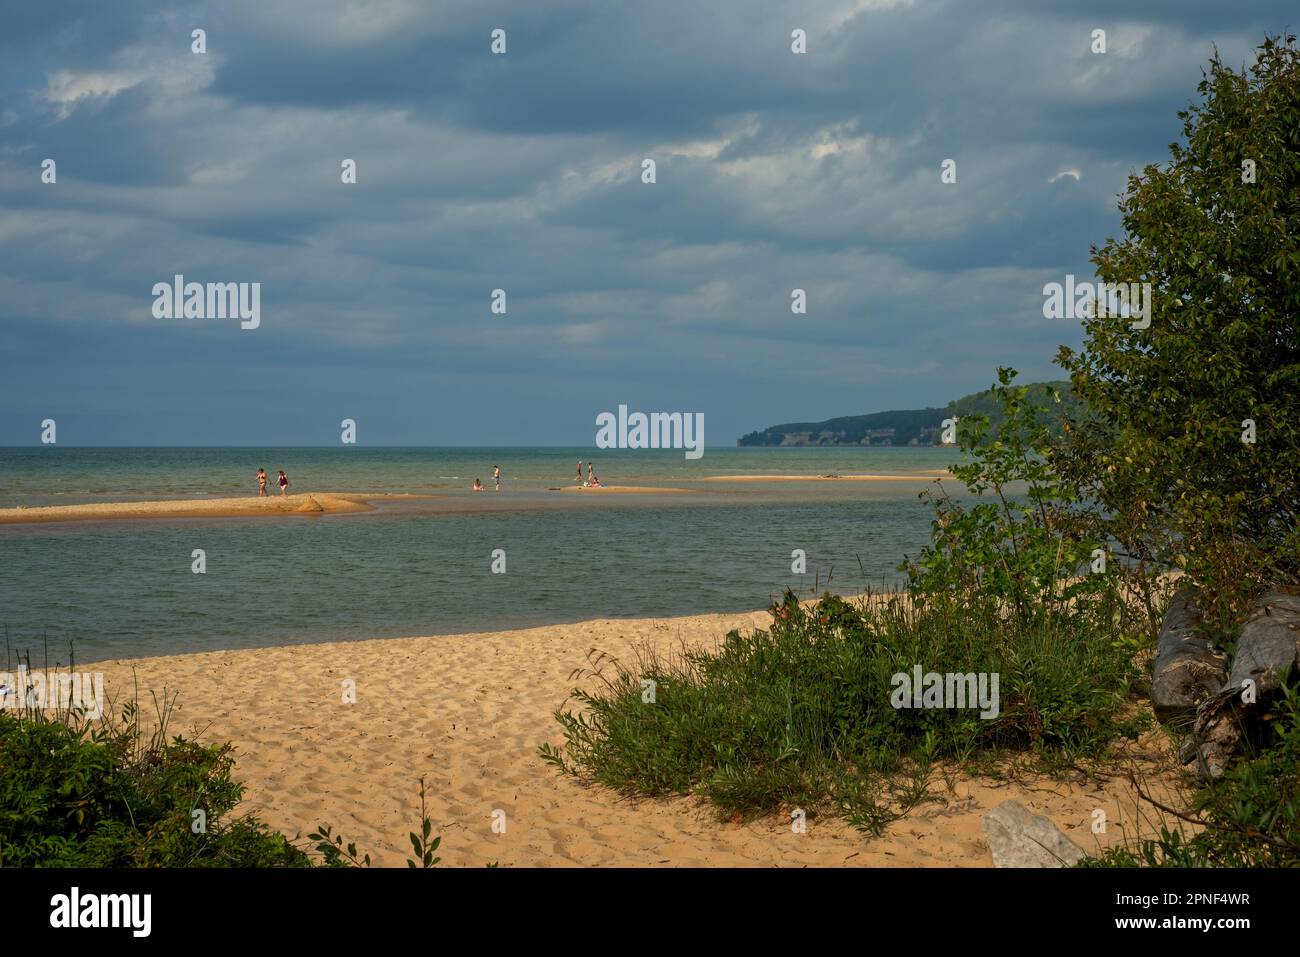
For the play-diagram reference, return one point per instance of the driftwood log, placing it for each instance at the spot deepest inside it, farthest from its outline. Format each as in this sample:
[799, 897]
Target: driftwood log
[1189, 668]
[1191, 676]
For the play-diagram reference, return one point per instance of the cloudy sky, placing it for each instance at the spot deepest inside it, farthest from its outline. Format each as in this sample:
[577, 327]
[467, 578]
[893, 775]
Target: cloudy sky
[522, 171]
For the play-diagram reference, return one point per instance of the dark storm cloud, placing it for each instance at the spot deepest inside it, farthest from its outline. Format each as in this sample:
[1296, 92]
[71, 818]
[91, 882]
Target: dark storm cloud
[522, 172]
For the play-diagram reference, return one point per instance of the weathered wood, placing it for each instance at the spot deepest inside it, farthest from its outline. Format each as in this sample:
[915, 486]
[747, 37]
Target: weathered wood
[1269, 645]
[1269, 642]
[1188, 668]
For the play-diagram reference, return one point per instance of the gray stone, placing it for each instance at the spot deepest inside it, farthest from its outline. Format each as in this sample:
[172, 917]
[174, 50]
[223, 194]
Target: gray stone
[1019, 838]
[1188, 667]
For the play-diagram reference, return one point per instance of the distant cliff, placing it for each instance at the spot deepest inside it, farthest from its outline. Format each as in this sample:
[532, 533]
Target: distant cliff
[907, 426]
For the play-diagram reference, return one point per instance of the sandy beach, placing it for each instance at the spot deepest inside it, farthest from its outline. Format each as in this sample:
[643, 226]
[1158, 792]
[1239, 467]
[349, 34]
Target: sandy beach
[469, 711]
[304, 503]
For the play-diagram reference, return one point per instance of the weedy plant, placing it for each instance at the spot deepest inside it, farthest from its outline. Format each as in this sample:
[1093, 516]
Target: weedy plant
[335, 853]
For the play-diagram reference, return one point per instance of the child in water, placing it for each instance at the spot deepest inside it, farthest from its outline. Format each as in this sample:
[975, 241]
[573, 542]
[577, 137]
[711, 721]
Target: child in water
[478, 485]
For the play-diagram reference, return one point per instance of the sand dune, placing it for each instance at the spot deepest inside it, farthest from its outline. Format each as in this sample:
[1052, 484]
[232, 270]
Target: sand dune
[469, 711]
[314, 502]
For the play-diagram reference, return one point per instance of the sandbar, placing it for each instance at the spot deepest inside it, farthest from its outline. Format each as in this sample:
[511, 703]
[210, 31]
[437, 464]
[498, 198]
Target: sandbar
[303, 503]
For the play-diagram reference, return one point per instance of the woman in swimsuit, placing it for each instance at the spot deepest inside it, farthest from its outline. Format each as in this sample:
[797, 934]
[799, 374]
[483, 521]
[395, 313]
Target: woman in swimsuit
[261, 483]
[284, 483]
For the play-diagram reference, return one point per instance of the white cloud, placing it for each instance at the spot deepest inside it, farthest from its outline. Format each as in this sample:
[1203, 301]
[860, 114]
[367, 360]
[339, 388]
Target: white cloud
[64, 88]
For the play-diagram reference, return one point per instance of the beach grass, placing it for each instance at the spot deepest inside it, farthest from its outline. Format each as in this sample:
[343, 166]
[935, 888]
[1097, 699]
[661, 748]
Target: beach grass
[801, 715]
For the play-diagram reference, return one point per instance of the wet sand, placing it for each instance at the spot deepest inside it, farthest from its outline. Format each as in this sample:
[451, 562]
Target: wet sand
[620, 489]
[303, 503]
[926, 476]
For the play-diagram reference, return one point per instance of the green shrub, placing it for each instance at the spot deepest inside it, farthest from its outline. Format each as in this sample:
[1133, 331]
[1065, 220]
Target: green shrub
[76, 795]
[801, 715]
[1030, 548]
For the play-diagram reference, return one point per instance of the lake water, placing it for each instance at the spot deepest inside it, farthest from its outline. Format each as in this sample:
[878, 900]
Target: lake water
[424, 566]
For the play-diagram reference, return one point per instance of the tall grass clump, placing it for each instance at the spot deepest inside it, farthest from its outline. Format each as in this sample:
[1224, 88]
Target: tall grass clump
[803, 713]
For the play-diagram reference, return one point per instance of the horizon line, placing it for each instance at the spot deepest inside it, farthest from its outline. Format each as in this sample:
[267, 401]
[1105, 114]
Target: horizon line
[59, 445]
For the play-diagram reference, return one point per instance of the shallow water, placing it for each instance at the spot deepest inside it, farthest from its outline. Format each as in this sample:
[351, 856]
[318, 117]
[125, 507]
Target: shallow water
[63, 476]
[424, 566]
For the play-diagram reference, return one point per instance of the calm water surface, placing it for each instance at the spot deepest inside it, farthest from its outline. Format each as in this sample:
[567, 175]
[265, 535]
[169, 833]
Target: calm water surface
[423, 566]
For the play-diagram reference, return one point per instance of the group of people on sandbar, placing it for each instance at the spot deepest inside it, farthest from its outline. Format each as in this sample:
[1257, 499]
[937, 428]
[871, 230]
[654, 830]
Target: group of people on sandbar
[496, 477]
[261, 483]
[592, 481]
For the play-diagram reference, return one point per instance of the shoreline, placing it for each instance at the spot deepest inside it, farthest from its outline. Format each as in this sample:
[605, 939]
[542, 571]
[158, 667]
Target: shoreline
[469, 711]
[622, 489]
[924, 476]
[333, 503]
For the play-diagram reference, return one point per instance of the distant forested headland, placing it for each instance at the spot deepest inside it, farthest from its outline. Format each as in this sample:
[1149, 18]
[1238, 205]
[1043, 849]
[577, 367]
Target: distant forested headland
[913, 426]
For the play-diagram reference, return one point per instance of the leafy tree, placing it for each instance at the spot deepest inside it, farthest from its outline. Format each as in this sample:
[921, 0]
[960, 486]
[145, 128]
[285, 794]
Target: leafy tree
[1214, 232]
